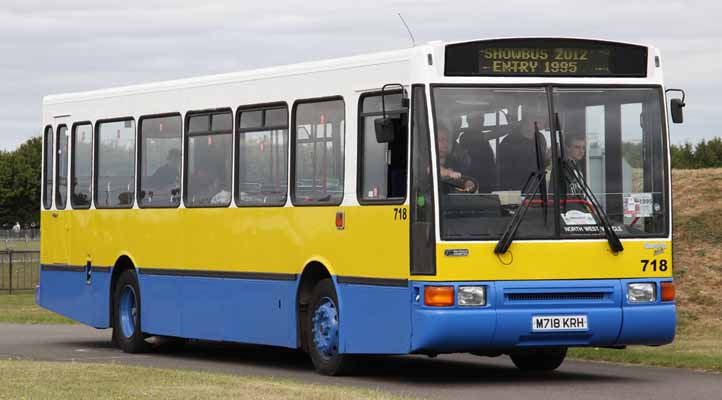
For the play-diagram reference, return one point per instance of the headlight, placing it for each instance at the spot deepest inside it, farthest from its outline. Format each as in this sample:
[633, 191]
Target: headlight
[641, 292]
[471, 296]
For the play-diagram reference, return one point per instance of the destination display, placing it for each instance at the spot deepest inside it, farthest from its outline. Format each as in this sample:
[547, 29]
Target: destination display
[546, 57]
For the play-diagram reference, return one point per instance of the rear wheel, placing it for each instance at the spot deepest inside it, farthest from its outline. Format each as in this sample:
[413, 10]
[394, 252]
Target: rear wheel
[324, 328]
[127, 333]
[539, 359]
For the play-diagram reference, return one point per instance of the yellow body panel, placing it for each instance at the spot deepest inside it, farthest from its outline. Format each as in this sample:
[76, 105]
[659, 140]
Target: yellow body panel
[374, 244]
[551, 260]
[274, 239]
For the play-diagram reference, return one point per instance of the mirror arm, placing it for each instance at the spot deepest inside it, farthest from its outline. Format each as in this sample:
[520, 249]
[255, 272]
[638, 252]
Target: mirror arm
[668, 91]
[404, 96]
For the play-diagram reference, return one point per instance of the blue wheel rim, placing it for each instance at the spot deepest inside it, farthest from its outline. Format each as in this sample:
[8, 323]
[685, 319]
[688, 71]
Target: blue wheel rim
[128, 310]
[325, 328]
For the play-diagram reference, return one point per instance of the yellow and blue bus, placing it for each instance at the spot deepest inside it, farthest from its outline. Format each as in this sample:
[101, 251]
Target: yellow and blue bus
[502, 196]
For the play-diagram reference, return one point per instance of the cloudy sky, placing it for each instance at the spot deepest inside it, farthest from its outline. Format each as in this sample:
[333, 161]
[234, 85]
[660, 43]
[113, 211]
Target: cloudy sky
[55, 46]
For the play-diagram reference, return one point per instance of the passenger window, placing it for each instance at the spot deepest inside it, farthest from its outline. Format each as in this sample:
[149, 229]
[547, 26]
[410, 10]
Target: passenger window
[382, 166]
[114, 180]
[159, 153]
[209, 152]
[61, 187]
[319, 152]
[48, 165]
[262, 157]
[81, 165]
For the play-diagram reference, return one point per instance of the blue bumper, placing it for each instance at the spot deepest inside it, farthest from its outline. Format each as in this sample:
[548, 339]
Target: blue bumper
[505, 322]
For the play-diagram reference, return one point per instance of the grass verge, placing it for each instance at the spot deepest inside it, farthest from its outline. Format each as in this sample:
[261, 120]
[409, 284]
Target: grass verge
[700, 353]
[53, 380]
[21, 309]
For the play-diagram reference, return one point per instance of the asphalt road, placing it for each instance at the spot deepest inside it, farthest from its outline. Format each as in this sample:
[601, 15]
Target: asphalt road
[445, 377]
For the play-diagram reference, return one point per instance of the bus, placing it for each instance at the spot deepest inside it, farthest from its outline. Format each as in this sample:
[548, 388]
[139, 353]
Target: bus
[498, 197]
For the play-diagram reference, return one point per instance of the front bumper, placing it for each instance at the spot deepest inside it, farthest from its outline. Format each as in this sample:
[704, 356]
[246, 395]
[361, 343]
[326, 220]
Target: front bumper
[505, 322]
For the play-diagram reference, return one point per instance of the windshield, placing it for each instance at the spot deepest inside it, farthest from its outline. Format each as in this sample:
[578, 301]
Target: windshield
[491, 141]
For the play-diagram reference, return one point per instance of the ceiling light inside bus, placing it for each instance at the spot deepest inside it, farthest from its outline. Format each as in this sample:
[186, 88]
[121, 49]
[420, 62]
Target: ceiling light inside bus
[471, 296]
[641, 292]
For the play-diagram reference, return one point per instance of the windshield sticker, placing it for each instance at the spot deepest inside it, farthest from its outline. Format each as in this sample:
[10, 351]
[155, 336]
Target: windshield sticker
[576, 217]
[638, 205]
[590, 229]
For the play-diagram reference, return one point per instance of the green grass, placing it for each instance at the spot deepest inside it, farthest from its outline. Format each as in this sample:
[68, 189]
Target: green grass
[21, 309]
[692, 352]
[54, 380]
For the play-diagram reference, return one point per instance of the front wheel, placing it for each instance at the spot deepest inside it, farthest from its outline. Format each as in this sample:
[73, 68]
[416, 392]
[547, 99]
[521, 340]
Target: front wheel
[539, 359]
[126, 315]
[324, 328]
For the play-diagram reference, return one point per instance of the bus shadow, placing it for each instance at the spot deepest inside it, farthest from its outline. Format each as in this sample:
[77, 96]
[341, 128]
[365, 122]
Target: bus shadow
[411, 369]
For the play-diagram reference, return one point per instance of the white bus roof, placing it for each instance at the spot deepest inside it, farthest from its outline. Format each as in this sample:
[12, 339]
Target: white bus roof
[369, 59]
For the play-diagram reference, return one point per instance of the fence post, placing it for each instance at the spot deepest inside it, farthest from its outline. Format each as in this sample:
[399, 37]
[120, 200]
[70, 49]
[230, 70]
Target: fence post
[10, 264]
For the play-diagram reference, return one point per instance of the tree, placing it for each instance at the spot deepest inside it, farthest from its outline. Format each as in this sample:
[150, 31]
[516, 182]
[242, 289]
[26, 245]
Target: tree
[705, 154]
[20, 172]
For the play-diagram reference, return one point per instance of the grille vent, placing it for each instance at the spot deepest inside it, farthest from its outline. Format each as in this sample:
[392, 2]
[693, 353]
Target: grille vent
[584, 296]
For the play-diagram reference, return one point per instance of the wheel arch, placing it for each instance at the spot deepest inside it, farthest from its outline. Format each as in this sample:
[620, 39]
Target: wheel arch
[122, 264]
[313, 272]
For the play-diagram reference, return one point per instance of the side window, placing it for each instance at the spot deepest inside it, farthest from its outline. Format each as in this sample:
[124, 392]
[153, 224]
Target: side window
[81, 167]
[159, 161]
[115, 161]
[209, 152]
[318, 142]
[61, 186]
[48, 166]
[382, 166]
[262, 154]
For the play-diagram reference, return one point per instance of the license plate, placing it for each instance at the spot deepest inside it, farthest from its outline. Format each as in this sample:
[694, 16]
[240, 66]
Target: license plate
[559, 323]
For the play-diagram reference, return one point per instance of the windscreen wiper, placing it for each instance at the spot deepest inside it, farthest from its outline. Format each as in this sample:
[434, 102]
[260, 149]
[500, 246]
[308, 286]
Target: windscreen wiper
[537, 182]
[534, 182]
[573, 174]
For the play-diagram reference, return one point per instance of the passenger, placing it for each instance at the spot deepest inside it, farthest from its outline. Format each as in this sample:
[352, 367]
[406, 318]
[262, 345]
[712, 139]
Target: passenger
[221, 196]
[518, 153]
[453, 162]
[473, 140]
[575, 147]
[168, 174]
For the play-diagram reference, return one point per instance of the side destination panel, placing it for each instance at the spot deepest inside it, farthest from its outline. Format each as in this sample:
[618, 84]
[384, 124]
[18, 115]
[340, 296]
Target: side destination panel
[228, 307]
[66, 291]
[375, 315]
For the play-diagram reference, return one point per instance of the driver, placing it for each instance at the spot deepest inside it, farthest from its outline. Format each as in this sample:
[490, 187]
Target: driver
[453, 162]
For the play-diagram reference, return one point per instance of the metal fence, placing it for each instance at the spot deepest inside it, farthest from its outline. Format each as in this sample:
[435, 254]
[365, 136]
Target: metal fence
[19, 270]
[20, 234]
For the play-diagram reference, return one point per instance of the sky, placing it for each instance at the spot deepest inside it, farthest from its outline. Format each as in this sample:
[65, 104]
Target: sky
[49, 47]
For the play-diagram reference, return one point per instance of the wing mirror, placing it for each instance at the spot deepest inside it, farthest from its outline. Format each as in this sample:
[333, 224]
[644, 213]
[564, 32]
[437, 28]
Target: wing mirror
[676, 106]
[387, 128]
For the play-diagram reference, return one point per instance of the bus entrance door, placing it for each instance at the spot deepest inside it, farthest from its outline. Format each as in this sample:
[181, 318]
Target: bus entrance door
[60, 234]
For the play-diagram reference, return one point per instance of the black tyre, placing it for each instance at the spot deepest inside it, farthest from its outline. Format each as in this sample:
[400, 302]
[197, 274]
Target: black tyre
[539, 359]
[127, 332]
[323, 324]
